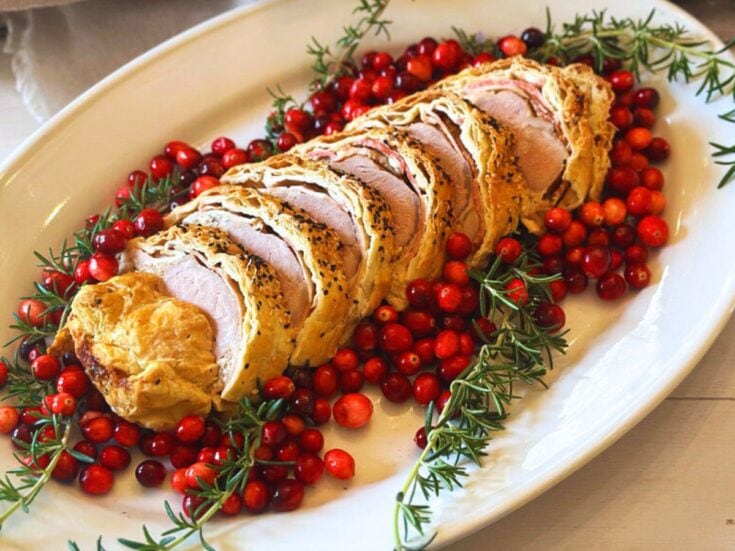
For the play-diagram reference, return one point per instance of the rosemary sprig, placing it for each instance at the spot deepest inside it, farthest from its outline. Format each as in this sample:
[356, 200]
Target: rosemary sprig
[658, 48]
[520, 352]
[474, 43]
[21, 485]
[232, 477]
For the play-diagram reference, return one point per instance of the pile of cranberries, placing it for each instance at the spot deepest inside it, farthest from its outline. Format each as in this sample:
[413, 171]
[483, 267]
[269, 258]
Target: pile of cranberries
[409, 355]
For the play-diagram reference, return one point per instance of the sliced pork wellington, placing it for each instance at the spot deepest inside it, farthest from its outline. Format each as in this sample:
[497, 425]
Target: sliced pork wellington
[355, 211]
[475, 151]
[240, 294]
[413, 184]
[305, 255]
[549, 115]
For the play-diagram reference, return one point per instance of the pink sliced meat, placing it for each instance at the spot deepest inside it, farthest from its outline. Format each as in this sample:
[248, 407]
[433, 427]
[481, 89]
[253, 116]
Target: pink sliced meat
[541, 153]
[324, 209]
[259, 241]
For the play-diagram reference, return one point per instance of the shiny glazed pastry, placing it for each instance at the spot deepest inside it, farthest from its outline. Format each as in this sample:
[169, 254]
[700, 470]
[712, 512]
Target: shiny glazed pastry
[151, 355]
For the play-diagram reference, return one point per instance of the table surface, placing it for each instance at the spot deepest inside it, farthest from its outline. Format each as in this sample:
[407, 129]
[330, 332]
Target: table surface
[668, 484]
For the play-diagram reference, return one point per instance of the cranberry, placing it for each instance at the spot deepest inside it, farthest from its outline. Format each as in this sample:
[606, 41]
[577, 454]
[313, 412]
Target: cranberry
[420, 67]
[424, 349]
[274, 433]
[621, 117]
[446, 344]
[395, 338]
[610, 286]
[653, 231]
[408, 363]
[193, 506]
[382, 88]
[352, 380]
[636, 254]
[202, 184]
[418, 293]
[592, 214]
[595, 261]
[533, 37]
[449, 297]
[256, 496]
[114, 458]
[615, 211]
[622, 81]
[21, 435]
[451, 368]
[396, 387]
[326, 381]
[45, 367]
[98, 430]
[160, 167]
[178, 479]
[483, 329]
[385, 314]
[339, 464]
[32, 311]
[258, 150]
[102, 267]
[407, 82]
[63, 403]
[322, 411]
[638, 138]
[637, 276]
[576, 281]
[658, 150]
[136, 179]
[621, 154]
[288, 452]
[455, 323]
[30, 415]
[482, 58]
[66, 469]
[623, 235]
[447, 55]
[511, 46]
[345, 359]
[375, 370]
[232, 505]
[188, 157]
[644, 117]
[366, 337]
[278, 387]
[294, 424]
[161, 444]
[455, 271]
[575, 234]
[86, 448]
[549, 316]
[557, 219]
[308, 469]
[190, 428]
[126, 434]
[549, 244]
[9, 417]
[287, 495]
[420, 438]
[96, 479]
[81, 272]
[200, 471]
[646, 97]
[353, 410]
[222, 144]
[213, 167]
[311, 440]
[652, 178]
[426, 388]
[183, 455]
[302, 401]
[509, 249]
[420, 323]
[59, 282]
[517, 291]
[148, 222]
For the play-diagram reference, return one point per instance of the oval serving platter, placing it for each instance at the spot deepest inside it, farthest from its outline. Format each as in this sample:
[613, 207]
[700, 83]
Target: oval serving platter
[624, 357]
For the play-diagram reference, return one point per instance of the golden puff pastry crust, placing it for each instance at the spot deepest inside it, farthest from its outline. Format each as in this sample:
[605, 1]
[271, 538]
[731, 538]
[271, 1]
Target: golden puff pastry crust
[601, 99]
[368, 210]
[316, 340]
[404, 158]
[260, 342]
[485, 146]
[149, 354]
[555, 97]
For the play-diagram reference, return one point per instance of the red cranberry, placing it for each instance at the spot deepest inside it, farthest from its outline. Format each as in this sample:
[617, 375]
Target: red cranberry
[408, 363]
[102, 267]
[278, 387]
[96, 480]
[646, 97]
[385, 314]
[366, 337]
[451, 368]
[45, 367]
[9, 418]
[396, 387]
[274, 433]
[222, 144]
[447, 55]
[86, 448]
[60, 283]
[160, 167]
[420, 438]
[308, 469]
[421, 324]
[287, 495]
[256, 496]
[190, 428]
[509, 249]
[595, 261]
[426, 388]
[161, 444]
[395, 338]
[653, 231]
[351, 381]
[322, 411]
[148, 222]
[326, 381]
[200, 471]
[183, 455]
[311, 440]
[511, 46]
[345, 359]
[114, 458]
[98, 430]
[375, 370]
[339, 464]
[658, 150]
[449, 297]
[637, 276]
[418, 293]
[66, 468]
[302, 401]
[622, 81]
[211, 166]
[126, 434]
[610, 286]
[549, 316]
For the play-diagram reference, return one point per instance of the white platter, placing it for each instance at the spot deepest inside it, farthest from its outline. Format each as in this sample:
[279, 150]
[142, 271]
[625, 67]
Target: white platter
[624, 359]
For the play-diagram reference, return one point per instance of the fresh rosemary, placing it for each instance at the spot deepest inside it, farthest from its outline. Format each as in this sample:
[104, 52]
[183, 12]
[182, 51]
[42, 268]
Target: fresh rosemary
[519, 352]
